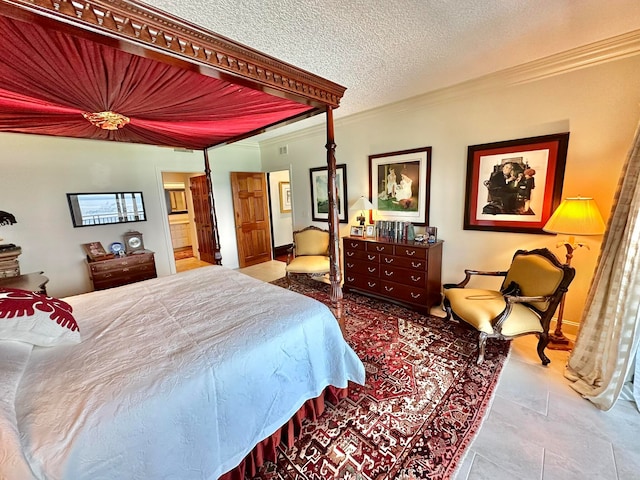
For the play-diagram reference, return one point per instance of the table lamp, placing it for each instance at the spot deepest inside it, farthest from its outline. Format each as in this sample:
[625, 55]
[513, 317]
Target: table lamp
[361, 204]
[574, 216]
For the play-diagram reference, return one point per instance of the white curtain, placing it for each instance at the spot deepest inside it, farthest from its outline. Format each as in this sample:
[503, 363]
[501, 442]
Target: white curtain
[604, 356]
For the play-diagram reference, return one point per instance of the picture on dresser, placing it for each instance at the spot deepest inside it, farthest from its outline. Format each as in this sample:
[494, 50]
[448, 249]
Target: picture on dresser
[431, 234]
[95, 251]
[399, 185]
[319, 179]
[357, 231]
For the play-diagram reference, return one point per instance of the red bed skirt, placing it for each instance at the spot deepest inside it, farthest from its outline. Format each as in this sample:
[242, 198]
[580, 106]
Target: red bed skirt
[266, 450]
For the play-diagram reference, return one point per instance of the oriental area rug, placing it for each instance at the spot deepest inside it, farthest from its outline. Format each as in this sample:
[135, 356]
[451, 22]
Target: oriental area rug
[422, 404]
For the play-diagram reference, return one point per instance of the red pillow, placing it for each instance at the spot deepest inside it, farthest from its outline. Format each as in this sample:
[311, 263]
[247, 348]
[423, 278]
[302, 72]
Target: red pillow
[37, 319]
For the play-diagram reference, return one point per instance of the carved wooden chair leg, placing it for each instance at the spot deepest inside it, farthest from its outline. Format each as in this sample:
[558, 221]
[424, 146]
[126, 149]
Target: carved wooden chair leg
[542, 344]
[482, 342]
[446, 306]
[288, 280]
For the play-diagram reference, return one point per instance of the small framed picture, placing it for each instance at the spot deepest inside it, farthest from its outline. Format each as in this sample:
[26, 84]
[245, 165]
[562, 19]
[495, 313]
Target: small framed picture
[432, 234]
[285, 197]
[95, 251]
[370, 231]
[357, 231]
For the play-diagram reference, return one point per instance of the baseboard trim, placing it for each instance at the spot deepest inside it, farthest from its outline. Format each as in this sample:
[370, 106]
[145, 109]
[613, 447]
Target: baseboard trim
[281, 250]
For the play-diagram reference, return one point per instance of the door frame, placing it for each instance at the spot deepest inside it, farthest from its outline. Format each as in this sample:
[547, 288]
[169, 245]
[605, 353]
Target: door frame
[163, 210]
[273, 207]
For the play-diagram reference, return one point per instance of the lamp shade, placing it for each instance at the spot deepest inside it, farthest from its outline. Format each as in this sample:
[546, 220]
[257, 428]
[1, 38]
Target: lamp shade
[576, 216]
[362, 204]
[6, 218]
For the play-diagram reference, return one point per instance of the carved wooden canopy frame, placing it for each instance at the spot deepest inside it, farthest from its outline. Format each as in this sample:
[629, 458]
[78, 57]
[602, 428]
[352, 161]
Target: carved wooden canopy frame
[142, 30]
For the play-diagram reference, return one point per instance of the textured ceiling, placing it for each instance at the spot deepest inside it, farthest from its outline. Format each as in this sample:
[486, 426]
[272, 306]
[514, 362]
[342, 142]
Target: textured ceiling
[384, 51]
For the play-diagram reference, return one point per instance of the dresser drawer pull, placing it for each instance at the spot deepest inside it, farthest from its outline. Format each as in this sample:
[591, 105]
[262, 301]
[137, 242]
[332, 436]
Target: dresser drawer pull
[350, 279]
[389, 260]
[380, 249]
[388, 273]
[371, 284]
[416, 264]
[388, 289]
[415, 295]
[350, 254]
[125, 269]
[350, 265]
[410, 253]
[353, 245]
[415, 279]
[371, 269]
[371, 257]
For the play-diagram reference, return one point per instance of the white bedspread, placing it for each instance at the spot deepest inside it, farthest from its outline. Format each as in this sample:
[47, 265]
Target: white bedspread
[14, 357]
[176, 377]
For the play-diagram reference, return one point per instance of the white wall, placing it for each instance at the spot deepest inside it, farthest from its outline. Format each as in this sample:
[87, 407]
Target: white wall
[36, 172]
[239, 157]
[598, 105]
[282, 223]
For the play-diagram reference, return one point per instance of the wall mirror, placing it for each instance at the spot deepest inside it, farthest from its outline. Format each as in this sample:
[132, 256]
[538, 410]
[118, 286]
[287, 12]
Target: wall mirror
[176, 201]
[89, 209]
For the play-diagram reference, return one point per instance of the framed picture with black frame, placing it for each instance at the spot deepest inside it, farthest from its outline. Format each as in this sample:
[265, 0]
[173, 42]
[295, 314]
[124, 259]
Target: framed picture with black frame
[515, 185]
[319, 178]
[399, 185]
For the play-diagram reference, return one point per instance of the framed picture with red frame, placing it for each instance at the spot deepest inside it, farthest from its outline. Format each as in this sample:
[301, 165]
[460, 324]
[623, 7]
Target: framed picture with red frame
[515, 185]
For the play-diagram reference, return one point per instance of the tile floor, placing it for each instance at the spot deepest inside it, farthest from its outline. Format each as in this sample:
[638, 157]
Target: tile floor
[538, 427]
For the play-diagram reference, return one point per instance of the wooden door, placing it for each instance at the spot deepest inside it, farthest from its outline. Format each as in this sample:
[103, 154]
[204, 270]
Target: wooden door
[202, 217]
[253, 230]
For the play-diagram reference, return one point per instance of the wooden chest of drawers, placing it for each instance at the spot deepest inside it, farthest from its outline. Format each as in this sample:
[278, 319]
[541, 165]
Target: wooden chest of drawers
[406, 272]
[122, 270]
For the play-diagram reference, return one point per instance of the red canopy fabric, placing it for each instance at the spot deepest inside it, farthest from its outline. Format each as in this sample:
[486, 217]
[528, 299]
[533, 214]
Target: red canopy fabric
[49, 79]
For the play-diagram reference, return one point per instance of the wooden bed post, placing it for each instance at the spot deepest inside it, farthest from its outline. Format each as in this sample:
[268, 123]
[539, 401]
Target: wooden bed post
[214, 219]
[334, 234]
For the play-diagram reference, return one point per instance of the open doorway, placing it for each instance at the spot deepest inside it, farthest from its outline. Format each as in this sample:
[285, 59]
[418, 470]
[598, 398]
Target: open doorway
[181, 218]
[281, 210]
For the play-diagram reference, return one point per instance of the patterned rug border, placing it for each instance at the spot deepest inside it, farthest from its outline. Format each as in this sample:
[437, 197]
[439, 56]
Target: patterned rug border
[414, 459]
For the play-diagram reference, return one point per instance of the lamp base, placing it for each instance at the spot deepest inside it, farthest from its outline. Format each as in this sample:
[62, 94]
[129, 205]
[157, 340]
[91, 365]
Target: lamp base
[361, 219]
[559, 342]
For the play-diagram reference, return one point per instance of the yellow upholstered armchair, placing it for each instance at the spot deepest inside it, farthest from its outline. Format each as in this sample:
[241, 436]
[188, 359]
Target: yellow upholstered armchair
[530, 293]
[309, 253]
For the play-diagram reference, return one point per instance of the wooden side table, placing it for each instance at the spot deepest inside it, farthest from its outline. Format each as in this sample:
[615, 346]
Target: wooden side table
[34, 282]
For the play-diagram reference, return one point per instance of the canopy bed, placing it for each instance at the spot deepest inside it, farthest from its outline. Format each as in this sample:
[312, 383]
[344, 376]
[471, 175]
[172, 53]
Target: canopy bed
[119, 70]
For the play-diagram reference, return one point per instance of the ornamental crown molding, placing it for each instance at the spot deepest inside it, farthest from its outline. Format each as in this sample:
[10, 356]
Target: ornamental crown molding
[608, 50]
[152, 29]
[590, 55]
